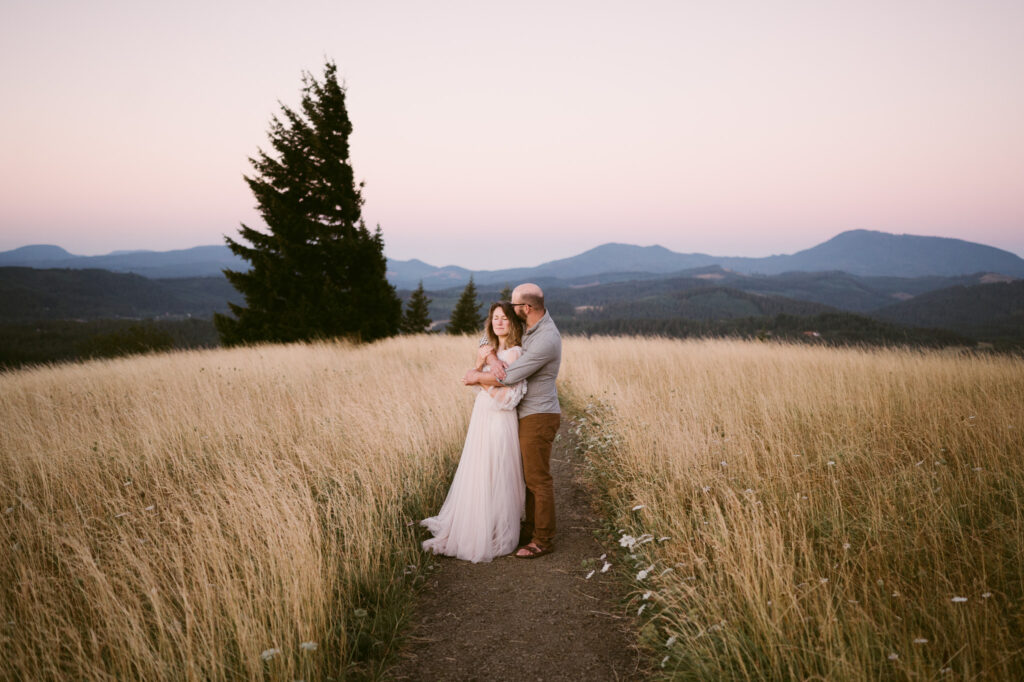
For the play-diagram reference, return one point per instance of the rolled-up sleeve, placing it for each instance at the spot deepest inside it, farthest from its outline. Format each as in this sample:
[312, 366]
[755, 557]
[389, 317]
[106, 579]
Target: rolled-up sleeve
[538, 355]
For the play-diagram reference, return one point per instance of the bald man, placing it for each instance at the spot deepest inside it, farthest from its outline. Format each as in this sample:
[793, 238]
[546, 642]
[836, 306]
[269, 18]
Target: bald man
[539, 413]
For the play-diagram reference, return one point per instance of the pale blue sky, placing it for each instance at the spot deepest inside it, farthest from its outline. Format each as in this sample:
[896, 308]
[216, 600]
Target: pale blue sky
[498, 135]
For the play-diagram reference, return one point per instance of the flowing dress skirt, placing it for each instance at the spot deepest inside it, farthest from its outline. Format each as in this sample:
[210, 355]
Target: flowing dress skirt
[479, 519]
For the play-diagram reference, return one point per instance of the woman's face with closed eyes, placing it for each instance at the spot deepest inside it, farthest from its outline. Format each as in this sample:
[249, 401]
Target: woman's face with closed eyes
[499, 323]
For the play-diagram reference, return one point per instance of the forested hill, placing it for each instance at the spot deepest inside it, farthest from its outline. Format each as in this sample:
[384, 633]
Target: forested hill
[987, 310]
[28, 294]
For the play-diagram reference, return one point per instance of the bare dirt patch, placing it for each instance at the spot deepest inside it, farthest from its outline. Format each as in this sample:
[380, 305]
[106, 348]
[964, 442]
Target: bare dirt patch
[535, 619]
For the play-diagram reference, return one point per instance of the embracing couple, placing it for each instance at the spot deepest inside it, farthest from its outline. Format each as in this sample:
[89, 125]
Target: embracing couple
[502, 496]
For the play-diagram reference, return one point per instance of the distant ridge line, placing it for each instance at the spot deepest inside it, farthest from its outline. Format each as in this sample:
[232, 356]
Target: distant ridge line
[857, 252]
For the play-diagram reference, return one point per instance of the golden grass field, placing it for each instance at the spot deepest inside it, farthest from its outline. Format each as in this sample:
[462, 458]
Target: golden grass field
[830, 514]
[189, 515]
[183, 516]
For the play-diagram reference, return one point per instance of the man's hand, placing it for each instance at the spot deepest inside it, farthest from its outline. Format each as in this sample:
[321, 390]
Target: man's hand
[477, 378]
[498, 366]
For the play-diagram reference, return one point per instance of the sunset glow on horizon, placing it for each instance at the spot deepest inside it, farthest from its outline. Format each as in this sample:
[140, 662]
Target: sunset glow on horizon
[499, 137]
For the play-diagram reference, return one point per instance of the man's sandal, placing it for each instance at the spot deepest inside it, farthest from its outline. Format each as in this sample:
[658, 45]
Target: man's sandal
[532, 551]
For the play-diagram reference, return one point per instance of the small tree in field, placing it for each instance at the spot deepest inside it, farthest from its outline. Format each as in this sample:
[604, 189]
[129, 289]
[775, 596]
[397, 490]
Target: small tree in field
[318, 272]
[506, 294]
[416, 318]
[466, 317]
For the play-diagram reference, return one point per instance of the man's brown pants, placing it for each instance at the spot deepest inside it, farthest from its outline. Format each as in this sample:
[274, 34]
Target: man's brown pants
[536, 434]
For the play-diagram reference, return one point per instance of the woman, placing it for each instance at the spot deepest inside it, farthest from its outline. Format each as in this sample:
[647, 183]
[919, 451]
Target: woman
[479, 519]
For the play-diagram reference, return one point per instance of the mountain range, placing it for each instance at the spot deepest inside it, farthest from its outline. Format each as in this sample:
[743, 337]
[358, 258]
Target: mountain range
[863, 253]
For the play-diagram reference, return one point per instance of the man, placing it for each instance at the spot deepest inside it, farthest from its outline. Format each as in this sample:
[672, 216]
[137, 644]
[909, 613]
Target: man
[539, 413]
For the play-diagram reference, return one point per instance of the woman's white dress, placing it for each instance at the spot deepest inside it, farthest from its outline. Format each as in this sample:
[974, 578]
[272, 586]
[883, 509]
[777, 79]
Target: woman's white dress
[479, 519]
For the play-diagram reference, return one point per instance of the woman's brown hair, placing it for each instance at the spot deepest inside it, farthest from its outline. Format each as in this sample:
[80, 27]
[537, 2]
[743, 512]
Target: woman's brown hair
[515, 325]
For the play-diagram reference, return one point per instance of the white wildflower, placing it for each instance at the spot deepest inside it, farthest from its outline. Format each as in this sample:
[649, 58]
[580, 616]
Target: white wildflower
[946, 671]
[268, 654]
[641, 609]
[896, 594]
[894, 657]
[670, 641]
[823, 580]
[664, 538]
[986, 595]
[979, 468]
[8, 510]
[642, 575]
[590, 575]
[627, 541]
[706, 488]
[846, 545]
[723, 463]
[308, 646]
[638, 507]
[920, 640]
[749, 491]
[831, 462]
[919, 463]
[604, 569]
[602, 557]
[959, 600]
[117, 516]
[150, 508]
[664, 661]
[647, 595]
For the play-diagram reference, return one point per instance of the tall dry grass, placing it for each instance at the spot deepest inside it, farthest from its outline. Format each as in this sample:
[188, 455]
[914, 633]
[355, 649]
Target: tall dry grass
[829, 514]
[186, 516]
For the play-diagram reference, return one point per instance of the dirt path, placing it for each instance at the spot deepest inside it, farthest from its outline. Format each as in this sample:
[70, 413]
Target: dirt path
[515, 619]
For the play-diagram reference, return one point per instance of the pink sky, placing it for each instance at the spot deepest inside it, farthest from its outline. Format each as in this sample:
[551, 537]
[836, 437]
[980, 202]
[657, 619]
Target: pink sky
[493, 136]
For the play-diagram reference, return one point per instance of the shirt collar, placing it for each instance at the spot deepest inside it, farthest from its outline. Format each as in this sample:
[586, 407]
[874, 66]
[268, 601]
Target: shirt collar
[541, 321]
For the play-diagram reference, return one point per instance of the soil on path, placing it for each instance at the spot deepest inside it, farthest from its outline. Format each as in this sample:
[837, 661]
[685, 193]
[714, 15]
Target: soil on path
[526, 619]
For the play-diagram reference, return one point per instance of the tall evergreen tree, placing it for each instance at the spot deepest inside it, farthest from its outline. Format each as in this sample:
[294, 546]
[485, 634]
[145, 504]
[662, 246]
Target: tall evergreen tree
[466, 317]
[506, 294]
[416, 318]
[318, 272]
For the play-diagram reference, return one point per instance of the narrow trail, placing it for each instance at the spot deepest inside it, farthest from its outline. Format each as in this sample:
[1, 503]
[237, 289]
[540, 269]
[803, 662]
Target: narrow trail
[517, 619]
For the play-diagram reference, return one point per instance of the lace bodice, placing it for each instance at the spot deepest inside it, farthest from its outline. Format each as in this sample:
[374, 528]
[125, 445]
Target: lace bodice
[507, 397]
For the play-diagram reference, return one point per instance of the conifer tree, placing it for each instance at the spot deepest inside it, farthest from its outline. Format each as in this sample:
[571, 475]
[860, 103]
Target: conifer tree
[506, 294]
[416, 318]
[318, 272]
[466, 317]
